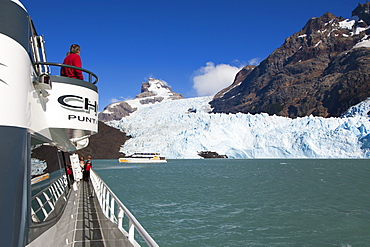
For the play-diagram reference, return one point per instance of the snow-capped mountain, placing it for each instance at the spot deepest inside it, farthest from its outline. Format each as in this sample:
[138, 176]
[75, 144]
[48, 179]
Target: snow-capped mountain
[322, 70]
[153, 91]
[182, 128]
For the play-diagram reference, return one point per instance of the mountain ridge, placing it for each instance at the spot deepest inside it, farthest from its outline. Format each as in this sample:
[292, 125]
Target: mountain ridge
[321, 70]
[153, 91]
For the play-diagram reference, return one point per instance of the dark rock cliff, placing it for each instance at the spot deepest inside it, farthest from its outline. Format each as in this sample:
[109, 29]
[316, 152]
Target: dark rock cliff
[106, 144]
[321, 70]
[116, 111]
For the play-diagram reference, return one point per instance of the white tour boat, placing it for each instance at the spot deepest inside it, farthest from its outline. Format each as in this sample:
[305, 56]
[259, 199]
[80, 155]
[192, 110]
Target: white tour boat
[143, 158]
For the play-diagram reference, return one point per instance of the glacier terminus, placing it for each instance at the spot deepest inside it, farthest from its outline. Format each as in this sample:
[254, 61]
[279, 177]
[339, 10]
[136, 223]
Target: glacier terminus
[179, 129]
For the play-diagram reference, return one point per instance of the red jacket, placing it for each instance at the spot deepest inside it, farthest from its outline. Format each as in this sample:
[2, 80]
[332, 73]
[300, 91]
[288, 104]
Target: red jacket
[69, 171]
[88, 165]
[74, 60]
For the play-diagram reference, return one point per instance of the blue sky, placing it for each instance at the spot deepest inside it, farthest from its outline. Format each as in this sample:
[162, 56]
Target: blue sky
[190, 44]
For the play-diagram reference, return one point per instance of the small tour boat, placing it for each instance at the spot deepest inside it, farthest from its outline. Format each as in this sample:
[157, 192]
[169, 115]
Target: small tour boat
[39, 178]
[143, 158]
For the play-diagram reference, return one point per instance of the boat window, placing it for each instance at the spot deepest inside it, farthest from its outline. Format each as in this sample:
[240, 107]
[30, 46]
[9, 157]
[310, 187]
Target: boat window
[49, 185]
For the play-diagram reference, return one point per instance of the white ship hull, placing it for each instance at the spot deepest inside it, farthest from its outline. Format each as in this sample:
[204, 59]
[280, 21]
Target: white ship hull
[141, 160]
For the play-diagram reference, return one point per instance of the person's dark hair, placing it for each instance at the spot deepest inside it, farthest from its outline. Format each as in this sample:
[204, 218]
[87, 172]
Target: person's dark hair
[74, 48]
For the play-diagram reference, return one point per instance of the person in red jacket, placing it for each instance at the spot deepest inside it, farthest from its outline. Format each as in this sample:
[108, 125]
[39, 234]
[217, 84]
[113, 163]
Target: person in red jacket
[70, 174]
[88, 166]
[73, 58]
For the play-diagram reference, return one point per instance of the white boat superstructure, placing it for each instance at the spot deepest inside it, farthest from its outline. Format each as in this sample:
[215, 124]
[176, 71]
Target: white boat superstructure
[143, 158]
[43, 111]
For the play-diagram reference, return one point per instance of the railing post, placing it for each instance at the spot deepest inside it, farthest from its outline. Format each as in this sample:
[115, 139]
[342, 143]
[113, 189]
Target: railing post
[55, 187]
[131, 232]
[48, 200]
[112, 209]
[121, 214]
[59, 187]
[104, 199]
[42, 207]
[34, 216]
[107, 200]
[53, 194]
[100, 194]
[106, 211]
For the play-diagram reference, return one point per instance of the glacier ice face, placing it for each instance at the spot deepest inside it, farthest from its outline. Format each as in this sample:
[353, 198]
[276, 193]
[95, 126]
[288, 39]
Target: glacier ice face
[37, 167]
[181, 128]
[361, 109]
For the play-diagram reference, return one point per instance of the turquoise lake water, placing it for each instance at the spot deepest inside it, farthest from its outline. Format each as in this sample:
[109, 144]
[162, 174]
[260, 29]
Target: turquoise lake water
[247, 202]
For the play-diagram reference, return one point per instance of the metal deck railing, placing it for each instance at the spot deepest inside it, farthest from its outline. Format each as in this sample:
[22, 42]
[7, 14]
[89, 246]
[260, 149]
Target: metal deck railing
[43, 203]
[91, 75]
[114, 210]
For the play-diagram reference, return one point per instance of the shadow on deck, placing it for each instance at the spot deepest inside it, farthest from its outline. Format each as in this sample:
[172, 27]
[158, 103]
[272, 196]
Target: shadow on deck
[82, 224]
[92, 227]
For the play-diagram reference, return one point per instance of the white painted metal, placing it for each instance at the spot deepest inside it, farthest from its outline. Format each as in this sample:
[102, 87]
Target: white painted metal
[47, 198]
[19, 3]
[78, 118]
[43, 107]
[33, 216]
[112, 210]
[15, 87]
[103, 192]
[121, 214]
[76, 168]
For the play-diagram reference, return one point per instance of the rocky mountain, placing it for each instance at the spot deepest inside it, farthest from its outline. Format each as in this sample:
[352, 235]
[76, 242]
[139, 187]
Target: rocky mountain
[321, 70]
[155, 91]
[115, 111]
[239, 78]
[152, 92]
[106, 144]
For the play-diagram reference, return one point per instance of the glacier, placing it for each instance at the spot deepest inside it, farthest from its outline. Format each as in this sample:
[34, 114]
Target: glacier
[179, 129]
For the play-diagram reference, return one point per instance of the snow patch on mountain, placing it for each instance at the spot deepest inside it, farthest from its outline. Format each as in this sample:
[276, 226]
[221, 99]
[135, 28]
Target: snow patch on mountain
[152, 92]
[347, 24]
[362, 43]
[160, 88]
[181, 128]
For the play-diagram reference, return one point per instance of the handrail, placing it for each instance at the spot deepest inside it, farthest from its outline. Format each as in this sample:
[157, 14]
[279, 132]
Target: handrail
[47, 198]
[108, 202]
[91, 74]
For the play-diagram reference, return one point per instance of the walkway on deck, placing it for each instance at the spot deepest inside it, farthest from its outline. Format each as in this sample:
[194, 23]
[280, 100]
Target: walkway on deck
[83, 223]
[92, 227]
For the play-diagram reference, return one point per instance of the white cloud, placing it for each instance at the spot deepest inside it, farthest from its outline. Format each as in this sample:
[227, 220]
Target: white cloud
[212, 78]
[113, 100]
[254, 61]
[120, 98]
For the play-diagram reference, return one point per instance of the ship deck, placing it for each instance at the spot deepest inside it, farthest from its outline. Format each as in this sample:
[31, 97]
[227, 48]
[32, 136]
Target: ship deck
[82, 223]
